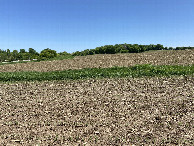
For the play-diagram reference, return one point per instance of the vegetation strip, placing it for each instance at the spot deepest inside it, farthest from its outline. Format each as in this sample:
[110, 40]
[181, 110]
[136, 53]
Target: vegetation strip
[114, 72]
[6, 56]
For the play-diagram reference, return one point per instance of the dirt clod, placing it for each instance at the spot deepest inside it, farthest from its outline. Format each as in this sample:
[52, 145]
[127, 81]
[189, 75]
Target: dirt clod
[141, 111]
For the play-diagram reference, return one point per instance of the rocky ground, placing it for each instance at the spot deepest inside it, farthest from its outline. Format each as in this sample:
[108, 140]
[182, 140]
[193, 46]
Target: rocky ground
[162, 57]
[141, 111]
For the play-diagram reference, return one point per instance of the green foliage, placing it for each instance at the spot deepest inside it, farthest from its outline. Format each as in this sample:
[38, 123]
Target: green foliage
[64, 53]
[14, 54]
[47, 54]
[3, 56]
[183, 48]
[61, 57]
[22, 51]
[32, 51]
[114, 72]
[8, 52]
[119, 48]
[125, 48]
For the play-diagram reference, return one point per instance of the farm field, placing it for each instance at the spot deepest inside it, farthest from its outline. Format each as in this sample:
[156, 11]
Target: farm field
[105, 106]
[96, 73]
[162, 57]
[149, 111]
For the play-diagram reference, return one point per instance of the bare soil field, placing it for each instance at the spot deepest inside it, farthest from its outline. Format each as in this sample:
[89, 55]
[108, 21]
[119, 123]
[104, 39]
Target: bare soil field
[162, 57]
[139, 111]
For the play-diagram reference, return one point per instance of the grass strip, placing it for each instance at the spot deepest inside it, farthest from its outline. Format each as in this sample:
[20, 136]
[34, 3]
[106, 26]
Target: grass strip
[114, 72]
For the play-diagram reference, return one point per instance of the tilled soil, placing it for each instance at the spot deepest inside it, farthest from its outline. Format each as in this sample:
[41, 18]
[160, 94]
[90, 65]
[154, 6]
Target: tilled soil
[140, 111]
[162, 57]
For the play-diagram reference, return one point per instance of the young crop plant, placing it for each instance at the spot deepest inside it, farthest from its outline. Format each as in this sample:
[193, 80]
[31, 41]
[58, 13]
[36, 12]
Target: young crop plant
[113, 72]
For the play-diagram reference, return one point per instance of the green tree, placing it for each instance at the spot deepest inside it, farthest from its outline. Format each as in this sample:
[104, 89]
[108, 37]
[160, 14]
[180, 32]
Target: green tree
[122, 49]
[109, 49]
[171, 48]
[47, 54]
[14, 55]
[25, 56]
[8, 52]
[134, 48]
[3, 56]
[64, 53]
[91, 52]
[77, 53]
[33, 54]
[32, 51]
[97, 50]
[159, 47]
[101, 50]
[142, 48]
[22, 51]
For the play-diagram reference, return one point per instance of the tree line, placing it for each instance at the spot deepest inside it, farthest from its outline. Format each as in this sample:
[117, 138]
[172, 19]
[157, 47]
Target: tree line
[15, 55]
[125, 48]
[46, 54]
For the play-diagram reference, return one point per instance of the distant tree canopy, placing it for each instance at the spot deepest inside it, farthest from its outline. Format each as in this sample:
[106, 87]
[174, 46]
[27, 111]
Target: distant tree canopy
[64, 53]
[125, 48]
[47, 54]
[22, 54]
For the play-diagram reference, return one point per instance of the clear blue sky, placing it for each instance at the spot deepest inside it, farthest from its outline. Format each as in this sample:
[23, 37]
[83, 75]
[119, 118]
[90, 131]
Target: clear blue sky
[75, 25]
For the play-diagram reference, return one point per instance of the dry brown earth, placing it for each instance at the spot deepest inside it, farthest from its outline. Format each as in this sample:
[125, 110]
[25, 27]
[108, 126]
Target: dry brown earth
[143, 111]
[163, 57]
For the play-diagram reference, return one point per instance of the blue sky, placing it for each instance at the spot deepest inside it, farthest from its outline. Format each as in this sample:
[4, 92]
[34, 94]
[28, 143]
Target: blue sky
[75, 25]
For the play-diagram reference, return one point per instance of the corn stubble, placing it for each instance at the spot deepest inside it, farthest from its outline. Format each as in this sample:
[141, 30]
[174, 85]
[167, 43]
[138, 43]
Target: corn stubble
[149, 111]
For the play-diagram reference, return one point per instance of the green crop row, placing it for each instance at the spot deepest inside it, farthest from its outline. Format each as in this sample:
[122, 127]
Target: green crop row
[114, 72]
